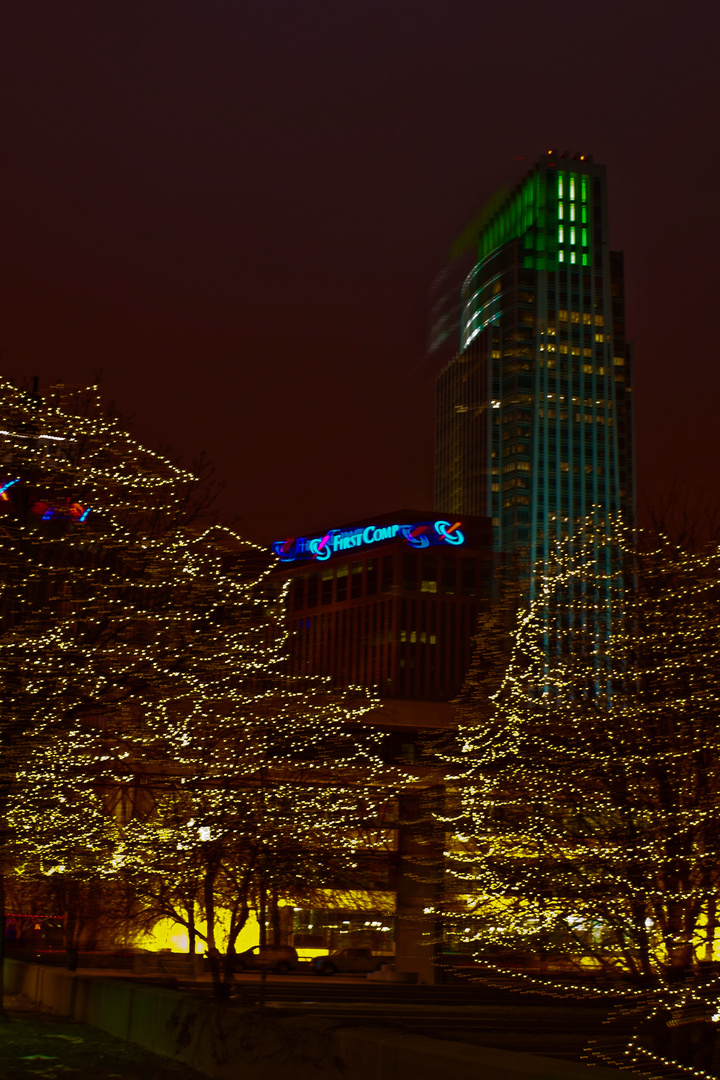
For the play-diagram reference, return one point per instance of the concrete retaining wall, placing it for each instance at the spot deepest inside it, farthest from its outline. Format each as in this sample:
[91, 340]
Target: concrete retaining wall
[253, 1044]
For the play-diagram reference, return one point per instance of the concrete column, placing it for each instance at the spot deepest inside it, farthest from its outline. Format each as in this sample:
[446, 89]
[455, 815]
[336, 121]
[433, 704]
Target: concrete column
[419, 883]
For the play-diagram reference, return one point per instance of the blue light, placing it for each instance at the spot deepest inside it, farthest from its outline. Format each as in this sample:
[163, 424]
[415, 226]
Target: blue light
[417, 541]
[285, 550]
[449, 533]
[320, 548]
[337, 541]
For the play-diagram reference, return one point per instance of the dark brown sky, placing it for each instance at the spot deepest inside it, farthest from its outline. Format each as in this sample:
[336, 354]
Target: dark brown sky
[234, 209]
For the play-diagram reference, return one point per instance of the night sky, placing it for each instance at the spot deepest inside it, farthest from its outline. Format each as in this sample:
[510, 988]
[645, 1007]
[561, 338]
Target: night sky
[230, 213]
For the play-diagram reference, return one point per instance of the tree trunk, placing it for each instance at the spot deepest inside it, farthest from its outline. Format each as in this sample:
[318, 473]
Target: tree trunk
[213, 953]
[191, 928]
[2, 940]
[275, 916]
[711, 928]
[236, 926]
[262, 912]
[71, 927]
[239, 918]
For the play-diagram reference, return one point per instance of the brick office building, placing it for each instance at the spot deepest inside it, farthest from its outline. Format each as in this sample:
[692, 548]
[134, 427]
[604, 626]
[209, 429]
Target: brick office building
[392, 604]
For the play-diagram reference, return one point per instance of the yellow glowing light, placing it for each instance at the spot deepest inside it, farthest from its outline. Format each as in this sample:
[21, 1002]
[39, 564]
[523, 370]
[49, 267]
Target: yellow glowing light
[582, 803]
[156, 749]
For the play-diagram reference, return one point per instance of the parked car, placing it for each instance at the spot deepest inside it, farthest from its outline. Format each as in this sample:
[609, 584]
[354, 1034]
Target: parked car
[349, 961]
[278, 958]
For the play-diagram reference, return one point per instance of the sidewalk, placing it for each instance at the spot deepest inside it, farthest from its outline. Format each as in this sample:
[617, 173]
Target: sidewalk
[37, 1044]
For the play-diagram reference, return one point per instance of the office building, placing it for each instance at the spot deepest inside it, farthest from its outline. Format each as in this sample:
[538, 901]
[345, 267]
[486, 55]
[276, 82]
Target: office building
[390, 604]
[534, 423]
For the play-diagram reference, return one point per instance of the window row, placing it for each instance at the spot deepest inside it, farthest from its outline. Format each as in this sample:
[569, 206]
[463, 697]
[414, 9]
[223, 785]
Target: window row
[414, 572]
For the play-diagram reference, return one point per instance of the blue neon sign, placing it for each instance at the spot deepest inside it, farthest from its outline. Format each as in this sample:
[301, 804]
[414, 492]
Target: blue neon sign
[421, 534]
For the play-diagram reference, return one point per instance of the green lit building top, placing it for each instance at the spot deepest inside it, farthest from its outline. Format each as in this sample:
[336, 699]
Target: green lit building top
[534, 412]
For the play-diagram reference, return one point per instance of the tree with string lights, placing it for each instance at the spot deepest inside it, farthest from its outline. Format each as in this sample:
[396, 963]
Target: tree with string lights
[584, 823]
[269, 790]
[128, 629]
[94, 576]
[63, 843]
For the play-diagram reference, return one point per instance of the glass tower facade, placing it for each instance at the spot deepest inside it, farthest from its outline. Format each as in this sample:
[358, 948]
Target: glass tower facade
[534, 414]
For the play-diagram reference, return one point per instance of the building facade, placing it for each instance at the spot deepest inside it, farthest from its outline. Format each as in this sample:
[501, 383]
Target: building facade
[390, 604]
[534, 422]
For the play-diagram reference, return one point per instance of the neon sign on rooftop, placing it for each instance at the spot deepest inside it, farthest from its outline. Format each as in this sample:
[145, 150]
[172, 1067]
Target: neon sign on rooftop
[421, 534]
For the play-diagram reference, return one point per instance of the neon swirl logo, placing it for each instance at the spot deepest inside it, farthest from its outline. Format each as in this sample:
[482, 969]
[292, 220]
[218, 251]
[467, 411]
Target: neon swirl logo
[415, 535]
[449, 533]
[285, 551]
[320, 548]
[418, 535]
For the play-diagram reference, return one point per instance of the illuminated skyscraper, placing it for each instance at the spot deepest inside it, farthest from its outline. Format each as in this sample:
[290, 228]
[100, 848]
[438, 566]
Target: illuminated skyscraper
[534, 413]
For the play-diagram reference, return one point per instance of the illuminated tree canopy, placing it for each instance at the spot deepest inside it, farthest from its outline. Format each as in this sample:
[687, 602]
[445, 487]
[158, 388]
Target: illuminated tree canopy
[583, 818]
[143, 669]
[97, 575]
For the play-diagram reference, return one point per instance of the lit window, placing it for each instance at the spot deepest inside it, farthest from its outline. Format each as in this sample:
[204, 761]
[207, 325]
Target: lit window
[584, 238]
[562, 315]
[599, 320]
[587, 318]
[572, 236]
[572, 211]
[561, 232]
